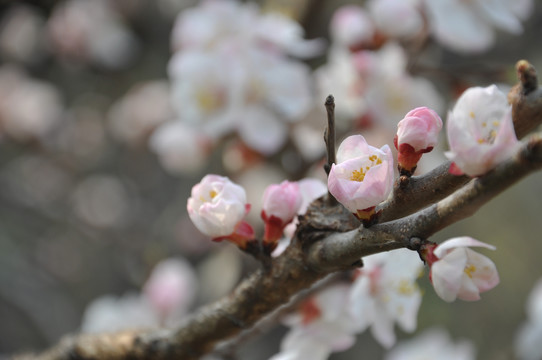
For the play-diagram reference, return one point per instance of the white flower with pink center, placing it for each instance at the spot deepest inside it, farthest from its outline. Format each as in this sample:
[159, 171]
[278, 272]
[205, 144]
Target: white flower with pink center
[363, 176]
[281, 202]
[217, 208]
[417, 134]
[480, 131]
[385, 292]
[459, 272]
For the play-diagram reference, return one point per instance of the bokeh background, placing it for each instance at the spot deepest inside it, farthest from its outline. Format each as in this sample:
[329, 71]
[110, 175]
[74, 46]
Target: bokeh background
[87, 207]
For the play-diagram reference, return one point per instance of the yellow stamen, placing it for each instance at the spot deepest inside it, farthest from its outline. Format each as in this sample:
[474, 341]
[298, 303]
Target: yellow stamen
[472, 114]
[469, 270]
[406, 287]
[212, 194]
[358, 175]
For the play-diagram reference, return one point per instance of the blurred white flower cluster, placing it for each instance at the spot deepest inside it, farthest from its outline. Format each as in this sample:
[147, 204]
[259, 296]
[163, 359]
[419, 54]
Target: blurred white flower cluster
[231, 72]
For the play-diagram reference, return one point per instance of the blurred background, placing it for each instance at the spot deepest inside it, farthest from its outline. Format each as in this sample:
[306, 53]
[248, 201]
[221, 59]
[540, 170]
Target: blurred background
[111, 110]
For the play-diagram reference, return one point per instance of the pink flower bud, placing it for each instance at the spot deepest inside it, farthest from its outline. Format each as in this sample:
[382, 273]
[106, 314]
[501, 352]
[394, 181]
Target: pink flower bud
[459, 272]
[280, 204]
[417, 133]
[217, 207]
[480, 131]
[362, 177]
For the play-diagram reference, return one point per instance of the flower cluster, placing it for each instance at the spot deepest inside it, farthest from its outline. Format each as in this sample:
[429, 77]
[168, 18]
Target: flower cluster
[232, 71]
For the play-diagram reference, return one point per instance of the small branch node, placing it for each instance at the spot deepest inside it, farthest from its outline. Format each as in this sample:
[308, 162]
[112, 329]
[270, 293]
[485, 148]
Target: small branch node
[527, 76]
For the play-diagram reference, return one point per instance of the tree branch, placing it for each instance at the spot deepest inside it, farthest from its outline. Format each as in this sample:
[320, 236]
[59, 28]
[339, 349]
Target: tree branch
[328, 239]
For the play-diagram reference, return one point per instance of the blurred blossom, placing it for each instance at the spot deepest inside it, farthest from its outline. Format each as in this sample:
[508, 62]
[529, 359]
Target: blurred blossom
[374, 87]
[322, 325]
[468, 26]
[340, 77]
[230, 73]
[351, 25]
[385, 292]
[144, 107]
[216, 21]
[434, 344]
[109, 314]
[240, 88]
[171, 288]
[29, 108]
[181, 148]
[19, 180]
[91, 31]
[529, 335]
[21, 34]
[397, 18]
[392, 92]
[102, 201]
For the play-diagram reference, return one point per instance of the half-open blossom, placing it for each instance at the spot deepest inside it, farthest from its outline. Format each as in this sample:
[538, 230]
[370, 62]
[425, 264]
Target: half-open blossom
[281, 203]
[362, 177]
[417, 134]
[385, 292]
[480, 131]
[459, 272]
[217, 207]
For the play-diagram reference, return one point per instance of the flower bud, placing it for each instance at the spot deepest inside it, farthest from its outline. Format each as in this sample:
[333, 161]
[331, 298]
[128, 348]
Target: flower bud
[217, 207]
[281, 203]
[417, 134]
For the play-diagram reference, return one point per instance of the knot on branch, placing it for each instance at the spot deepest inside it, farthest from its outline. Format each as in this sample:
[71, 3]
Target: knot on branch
[321, 219]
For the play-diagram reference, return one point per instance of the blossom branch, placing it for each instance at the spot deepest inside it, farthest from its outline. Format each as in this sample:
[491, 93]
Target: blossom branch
[338, 250]
[417, 192]
[328, 239]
